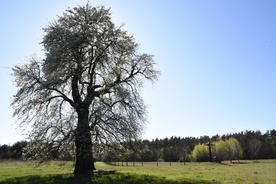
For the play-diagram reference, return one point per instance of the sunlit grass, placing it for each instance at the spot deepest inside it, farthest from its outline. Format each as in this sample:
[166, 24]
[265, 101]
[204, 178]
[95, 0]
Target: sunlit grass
[226, 172]
[21, 169]
[58, 172]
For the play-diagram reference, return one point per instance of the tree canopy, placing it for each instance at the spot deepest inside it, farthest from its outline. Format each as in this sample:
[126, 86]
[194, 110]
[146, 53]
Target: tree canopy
[86, 88]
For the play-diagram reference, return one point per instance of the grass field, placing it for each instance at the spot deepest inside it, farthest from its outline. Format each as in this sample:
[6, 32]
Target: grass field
[263, 171]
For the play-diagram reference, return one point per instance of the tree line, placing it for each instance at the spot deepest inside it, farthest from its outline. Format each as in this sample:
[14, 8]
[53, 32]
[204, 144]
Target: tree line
[244, 145]
[12, 151]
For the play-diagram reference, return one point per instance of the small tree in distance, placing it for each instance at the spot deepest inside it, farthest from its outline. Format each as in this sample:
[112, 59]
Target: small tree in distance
[86, 89]
[233, 149]
[254, 146]
[200, 153]
[220, 150]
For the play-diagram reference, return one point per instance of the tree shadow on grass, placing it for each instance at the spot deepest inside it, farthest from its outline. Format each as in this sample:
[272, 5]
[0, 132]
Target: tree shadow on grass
[42, 179]
[118, 178]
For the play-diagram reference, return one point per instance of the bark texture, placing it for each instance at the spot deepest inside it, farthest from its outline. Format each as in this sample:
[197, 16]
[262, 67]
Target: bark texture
[84, 156]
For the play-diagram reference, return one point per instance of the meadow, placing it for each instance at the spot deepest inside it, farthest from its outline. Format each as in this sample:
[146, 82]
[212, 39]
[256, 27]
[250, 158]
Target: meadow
[263, 171]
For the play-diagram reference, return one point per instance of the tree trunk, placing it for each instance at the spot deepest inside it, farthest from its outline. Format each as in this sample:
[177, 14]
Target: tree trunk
[84, 158]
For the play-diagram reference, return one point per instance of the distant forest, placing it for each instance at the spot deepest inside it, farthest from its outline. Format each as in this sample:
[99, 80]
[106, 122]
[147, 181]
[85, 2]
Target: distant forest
[254, 145]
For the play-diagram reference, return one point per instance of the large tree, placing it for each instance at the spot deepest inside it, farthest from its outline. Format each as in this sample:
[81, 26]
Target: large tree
[86, 89]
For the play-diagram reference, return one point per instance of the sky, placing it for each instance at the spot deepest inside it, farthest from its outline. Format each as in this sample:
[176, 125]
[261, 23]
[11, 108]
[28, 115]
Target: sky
[217, 61]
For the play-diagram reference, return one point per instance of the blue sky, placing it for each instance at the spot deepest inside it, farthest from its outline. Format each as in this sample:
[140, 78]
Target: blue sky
[217, 60]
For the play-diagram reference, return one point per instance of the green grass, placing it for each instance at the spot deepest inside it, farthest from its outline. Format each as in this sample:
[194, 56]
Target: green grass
[244, 172]
[54, 172]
